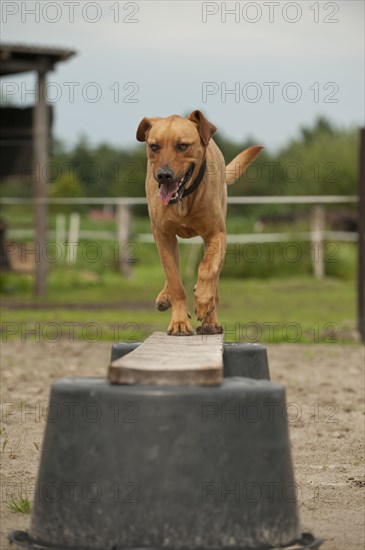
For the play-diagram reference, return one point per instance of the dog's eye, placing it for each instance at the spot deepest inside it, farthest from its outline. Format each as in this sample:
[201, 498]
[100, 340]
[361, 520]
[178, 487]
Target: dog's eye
[154, 147]
[182, 146]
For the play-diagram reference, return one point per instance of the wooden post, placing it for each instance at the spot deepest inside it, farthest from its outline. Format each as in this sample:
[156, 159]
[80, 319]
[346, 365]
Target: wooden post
[317, 228]
[4, 257]
[40, 156]
[61, 233]
[361, 242]
[123, 219]
[73, 237]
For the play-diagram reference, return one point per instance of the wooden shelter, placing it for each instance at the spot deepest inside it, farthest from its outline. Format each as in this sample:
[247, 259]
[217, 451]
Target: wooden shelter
[21, 58]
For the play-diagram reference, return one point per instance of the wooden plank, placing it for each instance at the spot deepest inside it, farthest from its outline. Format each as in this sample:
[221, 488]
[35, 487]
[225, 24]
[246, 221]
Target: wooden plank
[172, 360]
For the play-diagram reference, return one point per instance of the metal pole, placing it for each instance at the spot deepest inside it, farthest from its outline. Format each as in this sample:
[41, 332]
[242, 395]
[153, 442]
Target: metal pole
[361, 242]
[41, 145]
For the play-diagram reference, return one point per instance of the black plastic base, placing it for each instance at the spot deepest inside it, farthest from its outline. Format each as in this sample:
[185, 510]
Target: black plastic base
[22, 540]
[165, 467]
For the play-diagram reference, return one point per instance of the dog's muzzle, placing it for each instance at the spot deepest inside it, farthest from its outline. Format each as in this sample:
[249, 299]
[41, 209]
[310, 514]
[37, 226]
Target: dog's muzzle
[170, 189]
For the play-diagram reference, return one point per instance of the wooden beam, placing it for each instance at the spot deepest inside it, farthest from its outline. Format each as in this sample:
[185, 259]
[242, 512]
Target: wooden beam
[41, 151]
[14, 66]
[361, 242]
[172, 360]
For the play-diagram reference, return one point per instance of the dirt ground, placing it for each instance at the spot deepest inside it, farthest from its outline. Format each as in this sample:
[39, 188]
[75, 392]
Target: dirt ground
[325, 395]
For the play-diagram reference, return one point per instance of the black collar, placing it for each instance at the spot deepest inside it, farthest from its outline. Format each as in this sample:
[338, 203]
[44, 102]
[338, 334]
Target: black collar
[195, 183]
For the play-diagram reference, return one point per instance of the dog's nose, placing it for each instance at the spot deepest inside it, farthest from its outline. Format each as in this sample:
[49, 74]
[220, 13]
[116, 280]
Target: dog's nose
[164, 175]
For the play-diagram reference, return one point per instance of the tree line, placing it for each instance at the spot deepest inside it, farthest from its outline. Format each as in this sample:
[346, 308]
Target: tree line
[321, 160]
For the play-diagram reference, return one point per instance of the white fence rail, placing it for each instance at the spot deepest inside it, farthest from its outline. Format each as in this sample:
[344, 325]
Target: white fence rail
[131, 201]
[317, 235]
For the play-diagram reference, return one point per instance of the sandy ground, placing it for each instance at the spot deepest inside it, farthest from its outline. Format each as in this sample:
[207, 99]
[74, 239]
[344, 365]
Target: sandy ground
[325, 389]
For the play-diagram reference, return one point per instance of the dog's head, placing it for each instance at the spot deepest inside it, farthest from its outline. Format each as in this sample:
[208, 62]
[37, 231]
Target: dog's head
[176, 149]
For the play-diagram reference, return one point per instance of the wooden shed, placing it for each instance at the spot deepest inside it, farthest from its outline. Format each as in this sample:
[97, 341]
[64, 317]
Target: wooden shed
[26, 133]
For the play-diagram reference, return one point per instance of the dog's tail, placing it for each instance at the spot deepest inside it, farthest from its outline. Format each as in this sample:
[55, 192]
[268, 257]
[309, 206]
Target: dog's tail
[239, 164]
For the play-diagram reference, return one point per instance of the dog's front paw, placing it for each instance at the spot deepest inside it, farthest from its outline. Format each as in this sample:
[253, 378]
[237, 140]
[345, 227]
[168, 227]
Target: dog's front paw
[210, 328]
[180, 328]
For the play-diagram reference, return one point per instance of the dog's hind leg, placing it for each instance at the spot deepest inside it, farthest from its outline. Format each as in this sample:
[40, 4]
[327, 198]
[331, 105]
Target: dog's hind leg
[210, 325]
[167, 248]
[206, 289]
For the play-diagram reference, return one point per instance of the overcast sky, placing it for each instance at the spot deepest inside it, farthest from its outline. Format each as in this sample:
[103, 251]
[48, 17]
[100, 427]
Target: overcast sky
[283, 62]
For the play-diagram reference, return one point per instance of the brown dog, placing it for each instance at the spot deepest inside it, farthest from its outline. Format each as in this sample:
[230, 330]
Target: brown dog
[187, 196]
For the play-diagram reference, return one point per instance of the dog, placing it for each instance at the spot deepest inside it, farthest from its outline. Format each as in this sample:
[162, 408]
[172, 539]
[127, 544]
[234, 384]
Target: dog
[186, 189]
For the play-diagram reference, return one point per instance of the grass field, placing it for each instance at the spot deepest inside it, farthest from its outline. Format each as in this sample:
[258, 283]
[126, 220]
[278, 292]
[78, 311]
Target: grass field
[104, 306]
[266, 300]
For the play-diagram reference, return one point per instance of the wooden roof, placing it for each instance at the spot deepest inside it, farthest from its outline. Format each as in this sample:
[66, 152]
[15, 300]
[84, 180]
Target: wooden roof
[19, 58]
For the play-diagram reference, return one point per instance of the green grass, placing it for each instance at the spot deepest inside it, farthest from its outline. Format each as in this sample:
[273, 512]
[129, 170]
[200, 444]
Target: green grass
[271, 299]
[108, 307]
[289, 310]
[22, 505]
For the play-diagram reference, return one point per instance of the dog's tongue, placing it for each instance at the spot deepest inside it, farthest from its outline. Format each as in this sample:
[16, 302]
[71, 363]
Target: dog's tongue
[165, 193]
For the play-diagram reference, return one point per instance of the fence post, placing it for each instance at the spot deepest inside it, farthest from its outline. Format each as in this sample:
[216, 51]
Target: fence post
[317, 249]
[361, 242]
[123, 219]
[73, 237]
[41, 126]
[61, 233]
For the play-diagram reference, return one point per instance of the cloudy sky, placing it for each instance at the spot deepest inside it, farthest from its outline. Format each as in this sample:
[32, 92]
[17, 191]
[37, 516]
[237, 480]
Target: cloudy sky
[257, 69]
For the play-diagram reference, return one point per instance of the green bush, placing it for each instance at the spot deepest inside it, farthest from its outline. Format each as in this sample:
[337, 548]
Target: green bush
[268, 260]
[66, 187]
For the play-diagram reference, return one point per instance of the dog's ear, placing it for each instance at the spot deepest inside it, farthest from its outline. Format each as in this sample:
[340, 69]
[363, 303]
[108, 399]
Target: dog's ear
[205, 128]
[144, 126]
